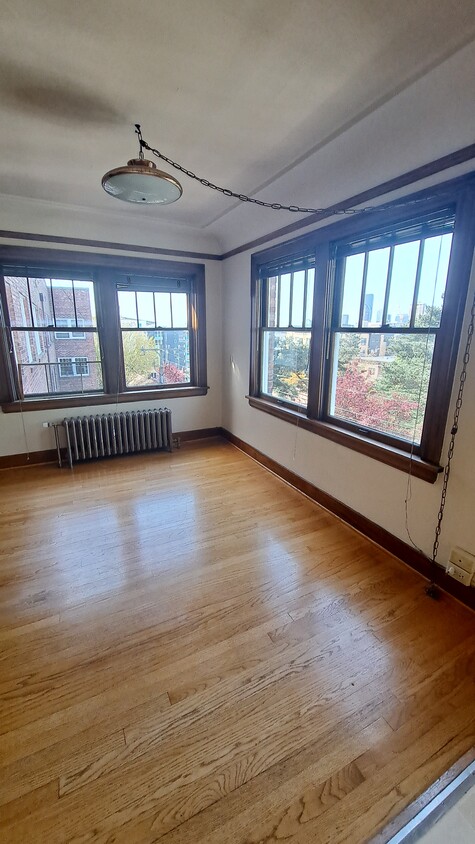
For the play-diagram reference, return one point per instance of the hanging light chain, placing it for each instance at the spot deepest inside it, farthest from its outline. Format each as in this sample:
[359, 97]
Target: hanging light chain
[275, 206]
[454, 431]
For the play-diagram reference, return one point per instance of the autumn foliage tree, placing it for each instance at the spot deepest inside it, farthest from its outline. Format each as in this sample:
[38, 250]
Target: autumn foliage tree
[358, 401]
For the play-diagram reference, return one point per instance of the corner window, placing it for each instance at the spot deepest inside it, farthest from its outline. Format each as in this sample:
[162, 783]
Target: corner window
[355, 336]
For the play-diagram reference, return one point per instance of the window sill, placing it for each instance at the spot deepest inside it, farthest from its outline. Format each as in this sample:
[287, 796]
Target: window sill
[101, 399]
[378, 451]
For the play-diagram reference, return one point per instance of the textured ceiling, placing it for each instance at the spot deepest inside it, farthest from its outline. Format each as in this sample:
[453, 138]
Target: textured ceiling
[238, 92]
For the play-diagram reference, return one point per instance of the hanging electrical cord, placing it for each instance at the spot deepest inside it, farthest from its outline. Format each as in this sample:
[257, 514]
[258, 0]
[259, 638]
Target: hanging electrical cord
[275, 206]
[431, 589]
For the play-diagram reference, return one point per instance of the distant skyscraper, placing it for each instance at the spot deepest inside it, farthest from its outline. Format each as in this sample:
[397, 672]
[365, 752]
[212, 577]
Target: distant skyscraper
[368, 307]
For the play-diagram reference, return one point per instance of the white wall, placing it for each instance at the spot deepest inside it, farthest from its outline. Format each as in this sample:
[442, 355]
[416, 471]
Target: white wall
[429, 119]
[20, 433]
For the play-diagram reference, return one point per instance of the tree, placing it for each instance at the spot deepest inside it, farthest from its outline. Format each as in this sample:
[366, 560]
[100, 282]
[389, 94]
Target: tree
[409, 371]
[349, 349]
[288, 366]
[357, 400]
[141, 357]
[172, 374]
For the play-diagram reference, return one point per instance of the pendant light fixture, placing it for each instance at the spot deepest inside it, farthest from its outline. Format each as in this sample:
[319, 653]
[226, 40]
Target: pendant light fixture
[140, 181]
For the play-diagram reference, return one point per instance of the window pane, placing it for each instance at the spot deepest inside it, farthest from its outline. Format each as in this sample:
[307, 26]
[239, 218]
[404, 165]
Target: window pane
[378, 262]
[127, 308]
[352, 284]
[152, 358]
[62, 290]
[284, 300]
[309, 308]
[145, 309]
[48, 365]
[272, 287]
[403, 277]
[298, 292]
[435, 265]
[85, 304]
[380, 381]
[163, 308]
[285, 365]
[41, 299]
[16, 289]
[180, 310]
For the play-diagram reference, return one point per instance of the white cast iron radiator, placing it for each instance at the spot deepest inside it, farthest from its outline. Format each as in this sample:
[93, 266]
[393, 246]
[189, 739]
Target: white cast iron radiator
[91, 437]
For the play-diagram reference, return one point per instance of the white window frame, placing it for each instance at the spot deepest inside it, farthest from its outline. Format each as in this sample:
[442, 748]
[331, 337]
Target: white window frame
[69, 335]
[74, 362]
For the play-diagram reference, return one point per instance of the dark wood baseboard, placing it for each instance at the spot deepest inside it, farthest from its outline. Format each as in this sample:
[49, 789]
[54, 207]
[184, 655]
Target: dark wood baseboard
[199, 434]
[371, 530]
[34, 458]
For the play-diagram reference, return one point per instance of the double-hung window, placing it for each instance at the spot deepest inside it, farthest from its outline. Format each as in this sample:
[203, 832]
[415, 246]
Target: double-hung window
[355, 328]
[92, 333]
[38, 307]
[155, 326]
[287, 304]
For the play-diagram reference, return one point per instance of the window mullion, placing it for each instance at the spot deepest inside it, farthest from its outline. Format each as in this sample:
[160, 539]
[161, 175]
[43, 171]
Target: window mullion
[384, 317]
[363, 290]
[417, 282]
[323, 288]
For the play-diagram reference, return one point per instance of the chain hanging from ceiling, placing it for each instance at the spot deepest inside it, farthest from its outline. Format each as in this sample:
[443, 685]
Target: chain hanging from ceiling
[275, 206]
[454, 430]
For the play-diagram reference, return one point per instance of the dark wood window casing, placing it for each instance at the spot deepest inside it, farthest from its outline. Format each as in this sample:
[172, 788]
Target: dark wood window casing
[109, 274]
[450, 207]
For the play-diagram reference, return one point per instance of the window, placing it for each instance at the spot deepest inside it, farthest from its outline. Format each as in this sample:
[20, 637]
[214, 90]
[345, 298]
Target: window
[70, 367]
[100, 332]
[386, 319]
[353, 329]
[285, 333]
[69, 335]
[155, 320]
[37, 305]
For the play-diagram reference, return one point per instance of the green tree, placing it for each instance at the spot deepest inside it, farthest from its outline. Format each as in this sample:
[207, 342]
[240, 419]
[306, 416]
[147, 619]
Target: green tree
[141, 357]
[409, 372]
[348, 350]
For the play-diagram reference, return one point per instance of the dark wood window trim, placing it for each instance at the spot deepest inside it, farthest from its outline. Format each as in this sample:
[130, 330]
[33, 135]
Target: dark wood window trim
[423, 462]
[105, 271]
[394, 457]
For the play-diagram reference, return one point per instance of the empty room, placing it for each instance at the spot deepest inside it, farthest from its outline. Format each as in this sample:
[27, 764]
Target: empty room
[237, 416]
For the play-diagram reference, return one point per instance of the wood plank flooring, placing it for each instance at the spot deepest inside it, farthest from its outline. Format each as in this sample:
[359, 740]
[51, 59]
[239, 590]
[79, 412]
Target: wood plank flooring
[191, 652]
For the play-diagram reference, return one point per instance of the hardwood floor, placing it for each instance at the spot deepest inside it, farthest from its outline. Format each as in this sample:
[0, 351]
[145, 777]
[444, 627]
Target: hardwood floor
[194, 653]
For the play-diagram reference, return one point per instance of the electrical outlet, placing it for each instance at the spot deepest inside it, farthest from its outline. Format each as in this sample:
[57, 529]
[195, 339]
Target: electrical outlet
[462, 559]
[459, 574]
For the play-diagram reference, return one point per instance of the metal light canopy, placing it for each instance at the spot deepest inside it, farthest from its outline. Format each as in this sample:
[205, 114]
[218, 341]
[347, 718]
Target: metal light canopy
[141, 182]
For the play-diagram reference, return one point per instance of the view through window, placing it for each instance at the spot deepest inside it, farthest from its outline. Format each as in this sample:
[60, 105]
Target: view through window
[390, 305]
[155, 337]
[51, 360]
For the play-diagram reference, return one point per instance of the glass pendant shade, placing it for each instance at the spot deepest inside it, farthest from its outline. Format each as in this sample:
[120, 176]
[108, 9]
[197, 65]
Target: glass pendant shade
[141, 182]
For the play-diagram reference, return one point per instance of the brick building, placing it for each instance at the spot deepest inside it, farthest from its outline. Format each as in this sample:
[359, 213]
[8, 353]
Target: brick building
[53, 351]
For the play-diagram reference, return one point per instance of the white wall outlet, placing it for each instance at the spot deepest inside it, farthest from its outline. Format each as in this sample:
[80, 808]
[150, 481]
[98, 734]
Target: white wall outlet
[461, 566]
[463, 559]
[459, 574]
